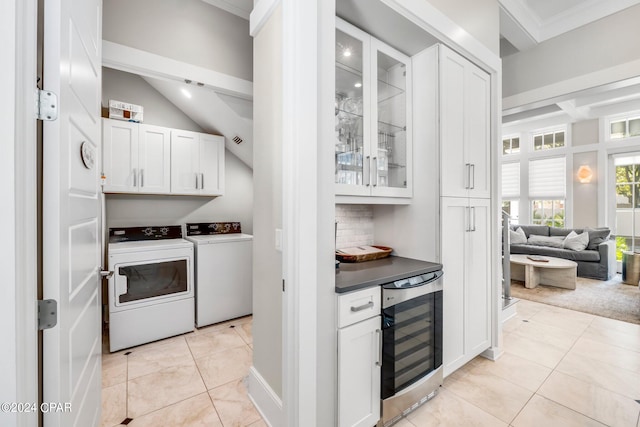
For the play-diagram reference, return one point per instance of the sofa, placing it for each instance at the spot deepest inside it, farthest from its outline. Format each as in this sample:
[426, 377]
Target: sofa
[596, 261]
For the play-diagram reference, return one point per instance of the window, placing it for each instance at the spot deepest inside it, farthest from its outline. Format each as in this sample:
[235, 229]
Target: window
[511, 189]
[548, 212]
[627, 204]
[547, 141]
[512, 208]
[624, 128]
[511, 145]
[547, 191]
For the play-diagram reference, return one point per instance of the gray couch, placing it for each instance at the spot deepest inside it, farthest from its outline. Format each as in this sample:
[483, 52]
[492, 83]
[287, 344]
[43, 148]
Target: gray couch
[597, 261]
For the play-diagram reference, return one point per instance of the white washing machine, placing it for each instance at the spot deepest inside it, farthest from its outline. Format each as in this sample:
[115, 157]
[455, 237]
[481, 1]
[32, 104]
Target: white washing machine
[224, 275]
[151, 291]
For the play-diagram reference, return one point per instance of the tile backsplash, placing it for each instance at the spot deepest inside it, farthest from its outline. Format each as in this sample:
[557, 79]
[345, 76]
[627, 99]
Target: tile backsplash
[355, 225]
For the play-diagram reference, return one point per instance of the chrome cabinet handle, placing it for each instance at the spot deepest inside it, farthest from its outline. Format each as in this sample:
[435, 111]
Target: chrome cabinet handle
[367, 174]
[375, 168]
[135, 177]
[196, 181]
[473, 209]
[472, 176]
[362, 307]
[467, 211]
[141, 177]
[201, 181]
[379, 361]
[467, 168]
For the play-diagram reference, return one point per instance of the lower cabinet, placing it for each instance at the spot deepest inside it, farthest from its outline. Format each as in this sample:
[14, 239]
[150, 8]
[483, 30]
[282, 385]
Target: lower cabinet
[466, 249]
[359, 359]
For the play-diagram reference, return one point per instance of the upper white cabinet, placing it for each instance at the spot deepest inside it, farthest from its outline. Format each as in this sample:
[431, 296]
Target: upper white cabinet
[373, 151]
[141, 158]
[197, 163]
[464, 127]
[136, 158]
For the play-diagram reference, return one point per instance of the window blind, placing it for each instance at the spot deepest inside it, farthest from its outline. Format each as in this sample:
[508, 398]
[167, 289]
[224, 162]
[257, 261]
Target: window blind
[511, 180]
[547, 178]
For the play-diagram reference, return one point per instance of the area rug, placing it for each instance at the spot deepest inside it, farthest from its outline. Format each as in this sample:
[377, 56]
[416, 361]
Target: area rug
[612, 298]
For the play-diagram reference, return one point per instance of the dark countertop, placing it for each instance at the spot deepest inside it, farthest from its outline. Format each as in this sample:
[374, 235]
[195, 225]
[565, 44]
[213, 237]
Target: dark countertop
[360, 275]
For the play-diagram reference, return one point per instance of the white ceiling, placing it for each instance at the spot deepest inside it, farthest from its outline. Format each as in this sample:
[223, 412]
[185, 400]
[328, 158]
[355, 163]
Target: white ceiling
[241, 8]
[525, 23]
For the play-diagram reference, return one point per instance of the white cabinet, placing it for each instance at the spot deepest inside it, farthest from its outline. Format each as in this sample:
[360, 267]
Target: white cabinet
[359, 358]
[466, 249]
[197, 163]
[464, 127]
[136, 158]
[373, 150]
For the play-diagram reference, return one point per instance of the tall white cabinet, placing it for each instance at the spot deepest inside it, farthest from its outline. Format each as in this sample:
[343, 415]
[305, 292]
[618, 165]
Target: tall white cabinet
[465, 207]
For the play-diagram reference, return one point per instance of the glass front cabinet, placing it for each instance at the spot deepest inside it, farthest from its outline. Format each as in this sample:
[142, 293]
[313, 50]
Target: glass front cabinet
[372, 117]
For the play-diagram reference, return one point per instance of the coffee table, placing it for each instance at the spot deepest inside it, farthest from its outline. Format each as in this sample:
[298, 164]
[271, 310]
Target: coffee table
[557, 272]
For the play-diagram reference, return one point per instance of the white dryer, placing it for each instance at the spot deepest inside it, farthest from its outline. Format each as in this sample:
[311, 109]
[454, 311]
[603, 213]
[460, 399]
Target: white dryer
[224, 272]
[151, 291]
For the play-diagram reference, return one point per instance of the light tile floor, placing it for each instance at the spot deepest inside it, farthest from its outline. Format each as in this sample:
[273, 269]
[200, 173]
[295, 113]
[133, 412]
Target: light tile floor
[195, 379]
[560, 368]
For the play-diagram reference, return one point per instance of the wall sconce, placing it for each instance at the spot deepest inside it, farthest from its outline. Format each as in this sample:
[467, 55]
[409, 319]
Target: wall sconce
[585, 174]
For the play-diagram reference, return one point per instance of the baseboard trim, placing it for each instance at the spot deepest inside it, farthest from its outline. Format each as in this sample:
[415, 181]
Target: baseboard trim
[492, 353]
[265, 399]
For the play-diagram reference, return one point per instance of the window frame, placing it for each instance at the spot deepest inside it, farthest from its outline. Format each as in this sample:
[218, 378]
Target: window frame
[549, 131]
[626, 117]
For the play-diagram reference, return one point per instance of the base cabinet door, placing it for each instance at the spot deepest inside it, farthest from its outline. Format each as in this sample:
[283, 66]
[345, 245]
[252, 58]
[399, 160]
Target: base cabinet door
[466, 248]
[359, 361]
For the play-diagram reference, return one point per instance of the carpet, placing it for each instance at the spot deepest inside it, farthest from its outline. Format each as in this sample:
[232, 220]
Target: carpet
[612, 298]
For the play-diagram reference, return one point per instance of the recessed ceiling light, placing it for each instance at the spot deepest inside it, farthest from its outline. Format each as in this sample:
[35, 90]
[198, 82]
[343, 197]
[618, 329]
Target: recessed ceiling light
[358, 84]
[186, 93]
[346, 52]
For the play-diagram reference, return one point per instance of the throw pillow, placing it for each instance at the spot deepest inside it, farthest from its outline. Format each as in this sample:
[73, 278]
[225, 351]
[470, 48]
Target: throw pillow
[517, 237]
[576, 242]
[596, 237]
[550, 241]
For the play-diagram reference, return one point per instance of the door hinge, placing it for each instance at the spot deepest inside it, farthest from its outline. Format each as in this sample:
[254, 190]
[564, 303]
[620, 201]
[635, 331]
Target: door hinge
[46, 105]
[47, 314]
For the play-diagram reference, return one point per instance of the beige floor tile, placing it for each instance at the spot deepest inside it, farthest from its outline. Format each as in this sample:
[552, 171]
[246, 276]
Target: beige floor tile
[225, 366]
[572, 321]
[233, 404]
[517, 370]
[114, 405]
[244, 330]
[605, 406]
[224, 325]
[544, 412]
[618, 325]
[557, 337]
[611, 354]
[613, 378]
[513, 324]
[162, 388]
[205, 344]
[404, 423]
[196, 411]
[163, 354]
[114, 369]
[492, 394]
[261, 423]
[449, 410]
[526, 309]
[533, 350]
[613, 337]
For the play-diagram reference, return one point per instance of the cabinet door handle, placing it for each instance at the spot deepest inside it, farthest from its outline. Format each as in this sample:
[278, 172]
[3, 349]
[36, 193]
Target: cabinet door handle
[375, 168]
[472, 176]
[362, 307]
[467, 219]
[379, 361]
[467, 169]
[141, 177]
[135, 177]
[196, 181]
[201, 181]
[473, 210]
[367, 174]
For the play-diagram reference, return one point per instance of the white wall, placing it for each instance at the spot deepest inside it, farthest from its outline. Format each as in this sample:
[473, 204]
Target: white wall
[127, 87]
[606, 43]
[480, 18]
[191, 31]
[413, 230]
[267, 201]
[134, 210]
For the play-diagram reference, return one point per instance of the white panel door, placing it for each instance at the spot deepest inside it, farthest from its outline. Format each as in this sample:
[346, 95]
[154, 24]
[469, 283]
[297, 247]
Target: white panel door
[71, 208]
[477, 132]
[120, 156]
[455, 228]
[154, 160]
[211, 165]
[477, 262]
[359, 374]
[454, 169]
[185, 152]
